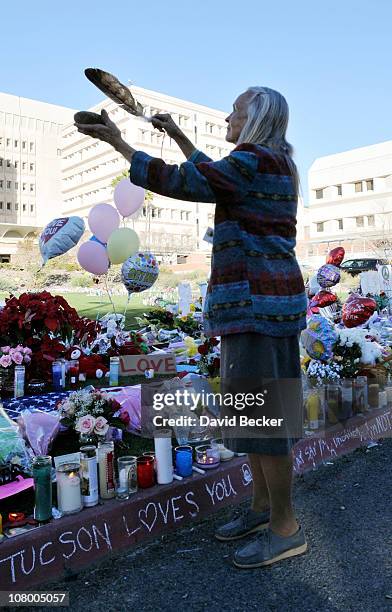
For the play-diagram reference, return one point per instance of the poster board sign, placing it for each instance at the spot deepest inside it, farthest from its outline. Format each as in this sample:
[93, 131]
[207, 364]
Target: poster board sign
[370, 282]
[160, 362]
[385, 279]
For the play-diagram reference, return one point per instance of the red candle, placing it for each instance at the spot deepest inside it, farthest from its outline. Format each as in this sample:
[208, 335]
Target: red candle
[145, 471]
[15, 517]
[73, 373]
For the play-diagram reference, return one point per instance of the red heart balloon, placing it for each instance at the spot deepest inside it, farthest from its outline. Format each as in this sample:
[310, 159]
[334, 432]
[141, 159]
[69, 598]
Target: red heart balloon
[336, 256]
[321, 299]
[358, 311]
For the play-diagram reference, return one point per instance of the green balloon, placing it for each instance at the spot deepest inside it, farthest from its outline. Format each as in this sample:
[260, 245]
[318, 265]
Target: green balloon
[122, 243]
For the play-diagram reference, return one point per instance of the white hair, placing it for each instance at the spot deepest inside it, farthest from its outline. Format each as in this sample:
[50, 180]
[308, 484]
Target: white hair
[266, 124]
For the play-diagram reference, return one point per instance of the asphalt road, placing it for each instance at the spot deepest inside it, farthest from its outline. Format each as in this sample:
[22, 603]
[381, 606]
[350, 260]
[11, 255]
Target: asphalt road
[346, 510]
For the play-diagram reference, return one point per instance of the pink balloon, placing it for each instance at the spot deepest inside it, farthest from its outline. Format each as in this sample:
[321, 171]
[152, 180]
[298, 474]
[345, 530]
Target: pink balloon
[103, 219]
[128, 197]
[93, 258]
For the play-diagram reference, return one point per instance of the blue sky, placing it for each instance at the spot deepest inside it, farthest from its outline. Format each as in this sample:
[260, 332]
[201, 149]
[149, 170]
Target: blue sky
[331, 59]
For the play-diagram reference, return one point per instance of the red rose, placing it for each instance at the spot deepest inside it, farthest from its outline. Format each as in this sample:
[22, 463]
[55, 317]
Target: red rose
[214, 342]
[203, 349]
[125, 418]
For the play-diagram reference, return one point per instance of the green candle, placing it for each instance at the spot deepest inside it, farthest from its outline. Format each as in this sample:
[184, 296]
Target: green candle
[42, 474]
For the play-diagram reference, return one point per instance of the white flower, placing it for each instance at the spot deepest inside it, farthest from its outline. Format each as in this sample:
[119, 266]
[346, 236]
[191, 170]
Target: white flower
[101, 426]
[85, 424]
[99, 373]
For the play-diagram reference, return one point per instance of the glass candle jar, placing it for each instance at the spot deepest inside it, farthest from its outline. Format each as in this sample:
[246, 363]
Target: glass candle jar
[69, 494]
[19, 381]
[373, 395]
[145, 471]
[347, 399]
[333, 399]
[184, 460]
[42, 475]
[89, 475]
[114, 371]
[127, 477]
[360, 402]
[57, 376]
[207, 456]
[107, 483]
[73, 370]
[224, 453]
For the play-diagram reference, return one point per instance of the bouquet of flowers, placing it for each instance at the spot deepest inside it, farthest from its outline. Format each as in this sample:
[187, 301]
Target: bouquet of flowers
[18, 355]
[209, 363]
[91, 413]
[319, 373]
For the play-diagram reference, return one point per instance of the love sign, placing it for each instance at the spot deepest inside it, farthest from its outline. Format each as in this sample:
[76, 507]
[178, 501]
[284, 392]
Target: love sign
[161, 363]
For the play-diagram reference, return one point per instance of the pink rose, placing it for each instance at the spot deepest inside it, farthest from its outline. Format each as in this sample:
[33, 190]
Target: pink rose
[5, 361]
[5, 349]
[85, 424]
[19, 348]
[101, 426]
[27, 359]
[17, 357]
[27, 351]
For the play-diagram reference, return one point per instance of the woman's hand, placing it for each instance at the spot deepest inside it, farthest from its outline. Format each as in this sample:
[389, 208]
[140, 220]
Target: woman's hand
[165, 123]
[107, 133]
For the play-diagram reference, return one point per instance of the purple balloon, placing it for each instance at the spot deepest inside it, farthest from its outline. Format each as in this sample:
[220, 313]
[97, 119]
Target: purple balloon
[93, 258]
[128, 197]
[328, 276]
[103, 219]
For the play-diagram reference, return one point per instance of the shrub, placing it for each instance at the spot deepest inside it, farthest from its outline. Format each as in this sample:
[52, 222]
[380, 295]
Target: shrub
[82, 280]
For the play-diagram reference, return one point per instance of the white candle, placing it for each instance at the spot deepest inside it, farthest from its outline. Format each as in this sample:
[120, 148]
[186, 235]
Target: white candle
[68, 489]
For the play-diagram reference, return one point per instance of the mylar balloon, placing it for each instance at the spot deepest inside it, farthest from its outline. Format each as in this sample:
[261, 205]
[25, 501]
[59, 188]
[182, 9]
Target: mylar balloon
[319, 337]
[59, 236]
[321, 299]
[122, 243]
[103, 219]
[328, 276]
[139, 272]
[93, 258]
[357, 311]
[336, 256]
[128, 197]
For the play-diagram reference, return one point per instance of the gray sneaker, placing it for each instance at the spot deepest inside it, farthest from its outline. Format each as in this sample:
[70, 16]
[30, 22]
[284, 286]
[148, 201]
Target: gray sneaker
[268, 548]
[248, 522]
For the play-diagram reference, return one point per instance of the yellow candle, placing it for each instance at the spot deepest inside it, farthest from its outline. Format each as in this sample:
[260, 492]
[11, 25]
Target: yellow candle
[313, 405]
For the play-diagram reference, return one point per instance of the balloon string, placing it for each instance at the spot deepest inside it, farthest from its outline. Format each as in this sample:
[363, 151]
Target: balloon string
[109, 295]
[126, 305]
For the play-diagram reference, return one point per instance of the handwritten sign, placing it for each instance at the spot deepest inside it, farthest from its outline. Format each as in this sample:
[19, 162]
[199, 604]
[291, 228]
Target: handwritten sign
[162, 363]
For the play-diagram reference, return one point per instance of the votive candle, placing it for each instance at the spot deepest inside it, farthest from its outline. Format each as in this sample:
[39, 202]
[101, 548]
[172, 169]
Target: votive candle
[145, 471]
[69, 494]
[184, 458]
[42, 475]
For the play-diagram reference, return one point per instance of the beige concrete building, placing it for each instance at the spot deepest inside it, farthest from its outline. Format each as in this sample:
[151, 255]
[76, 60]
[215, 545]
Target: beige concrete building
[173, 229]
[30, 167]
[350, 204]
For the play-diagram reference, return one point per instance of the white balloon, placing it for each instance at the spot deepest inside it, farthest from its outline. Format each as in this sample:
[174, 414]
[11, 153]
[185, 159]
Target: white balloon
[59, 236]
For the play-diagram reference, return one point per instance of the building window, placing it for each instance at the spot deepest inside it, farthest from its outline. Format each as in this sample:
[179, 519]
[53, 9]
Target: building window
[16, 143]
[31, 167]
[24, 207]
[24, 165]
[16, 206]
[369, 185]
[31, 188]
[24, 144]
[1, 205]
[144, 211]
[8, 163]
[359, 221]
[24, 185]
[153, 212]
[8, 184]
[1, 184]
[320, 227]
[339, 189]
[16, 185]
[8, 205]
[371, 221]
[31, 147]
[1, 162]
[340, 224]
[319, 194]
[358, 187]
[16, 165]
[8, 142]
[31, 207]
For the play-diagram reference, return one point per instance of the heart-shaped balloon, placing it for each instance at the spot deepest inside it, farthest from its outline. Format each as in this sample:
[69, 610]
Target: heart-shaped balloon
[336, 256]
[357, 311]
[322, 299]
[328, 276]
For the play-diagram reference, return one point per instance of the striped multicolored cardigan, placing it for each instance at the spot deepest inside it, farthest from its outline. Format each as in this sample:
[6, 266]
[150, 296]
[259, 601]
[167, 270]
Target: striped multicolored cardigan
[255, 284]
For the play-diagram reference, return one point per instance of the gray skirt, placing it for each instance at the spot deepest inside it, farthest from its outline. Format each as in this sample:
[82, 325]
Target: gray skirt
[247, 361]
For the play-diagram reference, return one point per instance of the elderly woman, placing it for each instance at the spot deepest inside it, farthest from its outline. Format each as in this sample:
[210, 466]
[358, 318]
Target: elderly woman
[255, 300]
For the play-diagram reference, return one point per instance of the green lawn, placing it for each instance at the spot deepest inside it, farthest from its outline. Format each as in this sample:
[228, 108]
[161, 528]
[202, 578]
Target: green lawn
[93, 306]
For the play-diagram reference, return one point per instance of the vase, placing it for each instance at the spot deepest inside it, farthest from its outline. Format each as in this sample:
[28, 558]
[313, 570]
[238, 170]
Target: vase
[6, 382]
[90, 439]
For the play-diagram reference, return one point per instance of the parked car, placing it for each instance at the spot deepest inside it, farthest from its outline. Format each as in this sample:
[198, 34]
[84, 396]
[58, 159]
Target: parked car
[356, 266]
